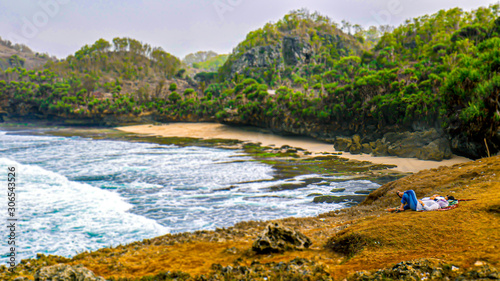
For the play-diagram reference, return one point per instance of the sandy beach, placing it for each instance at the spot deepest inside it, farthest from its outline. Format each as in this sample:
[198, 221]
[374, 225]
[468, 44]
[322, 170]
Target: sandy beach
[220, 131]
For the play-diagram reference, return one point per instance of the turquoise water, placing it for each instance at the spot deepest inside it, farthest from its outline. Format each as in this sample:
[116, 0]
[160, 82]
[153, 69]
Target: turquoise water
[77, 194]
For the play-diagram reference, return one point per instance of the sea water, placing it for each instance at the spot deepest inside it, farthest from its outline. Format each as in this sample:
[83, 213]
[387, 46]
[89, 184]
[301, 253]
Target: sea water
[77, 194]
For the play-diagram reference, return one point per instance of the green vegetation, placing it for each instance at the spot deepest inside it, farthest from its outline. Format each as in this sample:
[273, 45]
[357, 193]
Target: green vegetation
[20, 55]
[206, 61]
[212, 64]
[90, 83]
[318, 32]
[436, 70]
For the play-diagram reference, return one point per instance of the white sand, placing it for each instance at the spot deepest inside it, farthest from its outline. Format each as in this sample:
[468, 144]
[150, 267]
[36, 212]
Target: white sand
[220, 131]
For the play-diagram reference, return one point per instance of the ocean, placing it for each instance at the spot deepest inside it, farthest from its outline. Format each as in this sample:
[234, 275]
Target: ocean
[76, 194]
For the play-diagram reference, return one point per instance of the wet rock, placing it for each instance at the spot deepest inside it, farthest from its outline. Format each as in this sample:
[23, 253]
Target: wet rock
[337, 190]
[362, 192]
[64, 272]
[277, 238]
[339, 199]
[314, 194]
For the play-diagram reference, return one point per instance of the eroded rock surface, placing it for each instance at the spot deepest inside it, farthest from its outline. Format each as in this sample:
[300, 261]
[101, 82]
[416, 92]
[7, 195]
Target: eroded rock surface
[64, 272]
[277, 238]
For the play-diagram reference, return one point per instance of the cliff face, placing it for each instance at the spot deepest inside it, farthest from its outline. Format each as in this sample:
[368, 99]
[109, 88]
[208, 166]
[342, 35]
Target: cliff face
[290, 52]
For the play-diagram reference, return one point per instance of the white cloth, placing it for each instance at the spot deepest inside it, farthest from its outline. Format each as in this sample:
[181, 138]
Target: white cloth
[430, 205]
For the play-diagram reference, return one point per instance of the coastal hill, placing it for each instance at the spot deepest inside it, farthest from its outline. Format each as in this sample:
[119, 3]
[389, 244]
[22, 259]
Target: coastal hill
[204, 61]
[19, 55]
[359, 243]
[426, 89]
[276, 51]
[414, 79]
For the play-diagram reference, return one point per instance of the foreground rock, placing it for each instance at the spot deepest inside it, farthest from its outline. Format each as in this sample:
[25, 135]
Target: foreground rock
[64, 272]
[277, 238]
[429, 269]
[296, 269]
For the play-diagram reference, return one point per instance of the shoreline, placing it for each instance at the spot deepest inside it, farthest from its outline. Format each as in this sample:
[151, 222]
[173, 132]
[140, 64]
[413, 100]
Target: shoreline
[228, 251]
[221, 131]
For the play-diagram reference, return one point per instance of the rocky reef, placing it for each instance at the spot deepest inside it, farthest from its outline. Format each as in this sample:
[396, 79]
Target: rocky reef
[277, 238]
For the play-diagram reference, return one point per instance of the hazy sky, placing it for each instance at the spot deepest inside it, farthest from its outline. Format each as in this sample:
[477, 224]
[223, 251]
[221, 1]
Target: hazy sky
[60, 27]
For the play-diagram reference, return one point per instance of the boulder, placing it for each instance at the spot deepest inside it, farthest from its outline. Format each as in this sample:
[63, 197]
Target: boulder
[367, 148]
[277, 238]
[436, 150]
[379, 148]
[427, 145]
[356, 146]
[342, 144]
[64, 272]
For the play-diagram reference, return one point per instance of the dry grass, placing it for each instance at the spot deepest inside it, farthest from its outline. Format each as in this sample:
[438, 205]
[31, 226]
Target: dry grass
[460, 236]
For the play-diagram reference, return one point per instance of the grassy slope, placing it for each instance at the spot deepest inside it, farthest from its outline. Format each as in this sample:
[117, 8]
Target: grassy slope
[31, 60]
[460, 236]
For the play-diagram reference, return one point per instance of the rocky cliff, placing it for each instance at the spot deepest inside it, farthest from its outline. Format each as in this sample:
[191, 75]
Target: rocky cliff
[290, 52]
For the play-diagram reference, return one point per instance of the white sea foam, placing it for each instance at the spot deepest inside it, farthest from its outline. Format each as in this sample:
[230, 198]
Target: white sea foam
[65, 217]
[81, 194]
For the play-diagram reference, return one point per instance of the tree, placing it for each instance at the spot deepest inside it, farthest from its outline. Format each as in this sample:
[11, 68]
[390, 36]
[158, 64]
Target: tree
[172, 87]
[198, 57]
[174, 97]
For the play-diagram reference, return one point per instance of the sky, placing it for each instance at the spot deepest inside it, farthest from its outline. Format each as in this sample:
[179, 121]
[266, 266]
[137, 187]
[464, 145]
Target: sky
[61, 27]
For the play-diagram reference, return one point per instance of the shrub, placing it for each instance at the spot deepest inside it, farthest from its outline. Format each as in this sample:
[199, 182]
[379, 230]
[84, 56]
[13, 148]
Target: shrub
[173, 87]
[349, 244]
